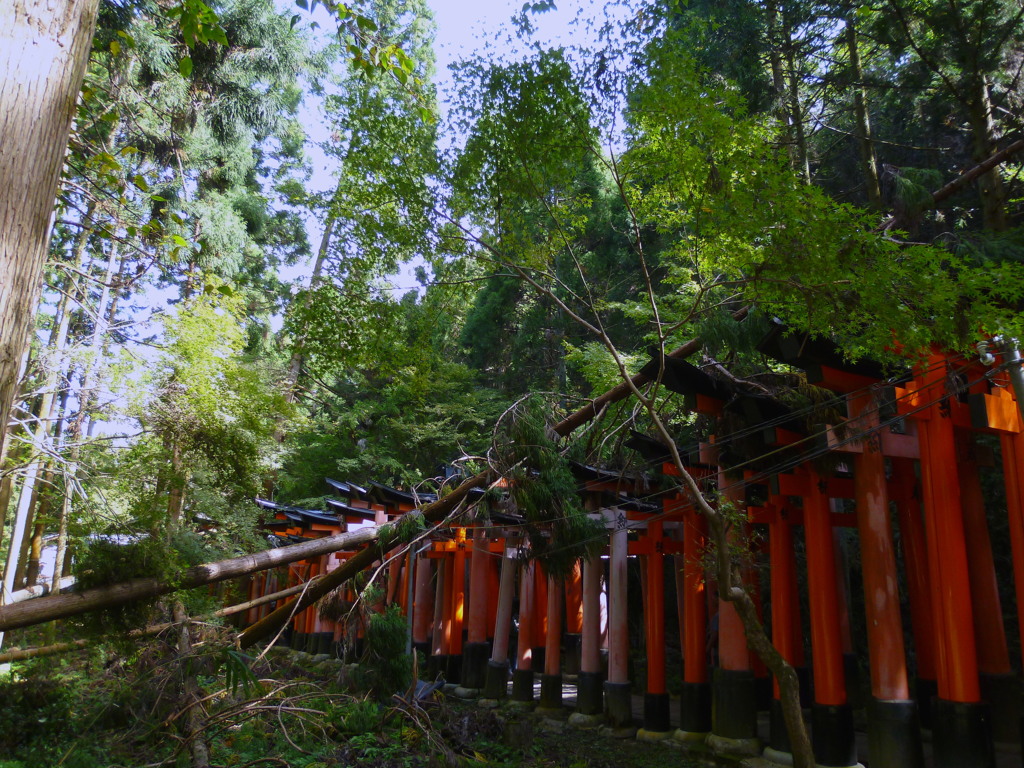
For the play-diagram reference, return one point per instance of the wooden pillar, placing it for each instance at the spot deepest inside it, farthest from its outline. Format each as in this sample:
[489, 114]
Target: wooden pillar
[834, 738]
[960, 721]
[423, 604]
[522, 678]
[785, 601]
[915, 557]
[734, 687]
[496, 684]
[540, 618]
[457, 614]
[474, 666]
[618, 702]
[589, 694]
[893, 725]
[656, 698]
[695, 699]
[999, 686]
[573, 619]
[551, 680]
[442, 609]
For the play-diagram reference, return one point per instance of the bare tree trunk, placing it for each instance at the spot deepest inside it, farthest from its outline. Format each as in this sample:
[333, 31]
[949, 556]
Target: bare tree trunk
[42, 441]
[298, 351]
[44, 50]
[990, 184]
[6, 489]
[803, 163]
[868, 161]
[176, 495]
[779, 98]
[190, 692]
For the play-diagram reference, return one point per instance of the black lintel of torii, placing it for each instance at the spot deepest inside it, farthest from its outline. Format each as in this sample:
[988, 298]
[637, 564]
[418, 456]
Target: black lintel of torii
[689, 380]
[347, 510]
[351, 490]
[686, 378]
[812, 353]
[385, 494]
[299, 515]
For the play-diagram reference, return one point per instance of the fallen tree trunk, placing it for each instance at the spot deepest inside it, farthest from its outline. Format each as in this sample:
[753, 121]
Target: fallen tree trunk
[53, 607]
[262, 600]
[20, 654]
[964, 179]
[434, 512]
[621, 391]
[38, 590]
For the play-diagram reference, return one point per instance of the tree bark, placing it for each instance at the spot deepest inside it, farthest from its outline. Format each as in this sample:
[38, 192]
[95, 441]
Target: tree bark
[868, 160]
[990, 184]
[44, 50]
[37, 611]
[190, 695]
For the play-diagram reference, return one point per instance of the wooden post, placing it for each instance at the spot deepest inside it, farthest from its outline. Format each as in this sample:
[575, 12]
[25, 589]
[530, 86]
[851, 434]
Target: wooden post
[474, 667]
[961, 722]
[589, 698]
[893, 727]
[423, 604]
[785, 626]
[834, 738]
[496, 684]
[695, 699]
[551, 680]
[618, 692]
[656, 699]
[522, 678]
[734, 688]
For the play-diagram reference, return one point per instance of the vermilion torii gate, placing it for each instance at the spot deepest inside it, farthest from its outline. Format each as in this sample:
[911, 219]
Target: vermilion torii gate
[900, 470]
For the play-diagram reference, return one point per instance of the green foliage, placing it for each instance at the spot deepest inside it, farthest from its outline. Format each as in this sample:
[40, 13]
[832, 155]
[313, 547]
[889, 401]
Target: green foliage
[385, 669]
[544, 490]
[393, 428]
[238, 674]
[35, 720]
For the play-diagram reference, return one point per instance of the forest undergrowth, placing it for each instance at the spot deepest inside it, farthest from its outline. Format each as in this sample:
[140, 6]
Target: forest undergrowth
[124, 707]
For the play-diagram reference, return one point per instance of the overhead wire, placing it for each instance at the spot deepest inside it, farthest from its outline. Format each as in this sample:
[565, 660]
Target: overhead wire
[802, 458]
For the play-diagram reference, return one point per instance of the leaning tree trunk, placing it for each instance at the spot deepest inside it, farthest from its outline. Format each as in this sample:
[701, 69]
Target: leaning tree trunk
[44, 50]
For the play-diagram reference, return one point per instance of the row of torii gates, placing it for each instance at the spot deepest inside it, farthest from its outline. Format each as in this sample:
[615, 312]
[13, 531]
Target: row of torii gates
[907, 456]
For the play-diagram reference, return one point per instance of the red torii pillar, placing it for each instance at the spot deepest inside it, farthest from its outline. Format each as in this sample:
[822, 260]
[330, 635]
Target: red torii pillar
[961, 721]
[893, 726]
[551, 679]
[496, 684]
[457, 590]
[695, 698]
[997, 411]
[442, 616]
[475, 654]
[734, 686]
[589, 694]
[522, 678]
[905, 492]
[787, 636]
[999, 686]
[833, 732]
[573, 619]
[657, 719]
[422, 604]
